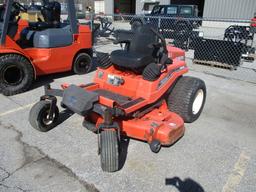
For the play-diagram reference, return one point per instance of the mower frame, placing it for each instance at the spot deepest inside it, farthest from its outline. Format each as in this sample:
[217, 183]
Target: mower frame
[123, 103]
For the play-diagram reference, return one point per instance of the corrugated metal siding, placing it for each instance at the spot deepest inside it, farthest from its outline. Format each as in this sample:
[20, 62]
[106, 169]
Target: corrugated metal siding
[109, 6]
[229, 9]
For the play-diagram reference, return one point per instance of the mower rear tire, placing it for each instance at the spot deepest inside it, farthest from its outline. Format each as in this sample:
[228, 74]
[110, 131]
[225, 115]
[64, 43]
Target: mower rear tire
[82, 64]
[16, 74]
[109, 151]
[152, 72]
[187, 98]
[38, 116]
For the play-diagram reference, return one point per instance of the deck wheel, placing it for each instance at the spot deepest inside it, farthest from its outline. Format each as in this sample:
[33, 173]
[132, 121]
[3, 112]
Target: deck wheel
[155, 146]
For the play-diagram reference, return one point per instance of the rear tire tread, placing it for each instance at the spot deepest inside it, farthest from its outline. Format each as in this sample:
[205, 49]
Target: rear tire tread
[181, 97]
[109, 151]
[27, 67]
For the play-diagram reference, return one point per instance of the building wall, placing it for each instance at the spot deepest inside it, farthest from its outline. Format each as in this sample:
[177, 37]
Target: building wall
[140, 4]
[229, 9]
[99, 7]
[109, 7]
[225, 9]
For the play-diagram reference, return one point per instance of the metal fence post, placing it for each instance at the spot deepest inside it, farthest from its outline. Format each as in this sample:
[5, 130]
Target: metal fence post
[159, 23]
[92, 20]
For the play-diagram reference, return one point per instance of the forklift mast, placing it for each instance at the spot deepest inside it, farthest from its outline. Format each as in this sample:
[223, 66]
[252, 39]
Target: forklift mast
[72, 16]
[7, 14]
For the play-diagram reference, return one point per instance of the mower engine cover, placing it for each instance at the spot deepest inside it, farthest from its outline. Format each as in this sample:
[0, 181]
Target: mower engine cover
[79, 100]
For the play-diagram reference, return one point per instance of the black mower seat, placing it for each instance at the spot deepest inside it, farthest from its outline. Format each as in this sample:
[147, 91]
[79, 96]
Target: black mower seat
[130, 59]
[139, 52]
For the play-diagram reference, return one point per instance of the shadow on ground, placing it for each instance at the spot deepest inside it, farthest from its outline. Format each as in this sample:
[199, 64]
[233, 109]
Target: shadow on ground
[48, 79]
[124, 143]
[188, 185]
[64, 115]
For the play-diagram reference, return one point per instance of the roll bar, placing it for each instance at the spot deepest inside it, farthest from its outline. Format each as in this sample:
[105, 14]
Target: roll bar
[72, 16]
[7, 15]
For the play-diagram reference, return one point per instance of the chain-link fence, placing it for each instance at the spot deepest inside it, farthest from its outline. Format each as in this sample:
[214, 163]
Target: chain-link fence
[220, 47]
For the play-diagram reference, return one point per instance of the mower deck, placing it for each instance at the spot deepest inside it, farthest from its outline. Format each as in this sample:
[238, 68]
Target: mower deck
[154, 123]
[158, 125]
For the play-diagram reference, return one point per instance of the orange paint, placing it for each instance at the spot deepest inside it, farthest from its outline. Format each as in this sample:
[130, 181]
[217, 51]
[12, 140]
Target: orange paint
[157, 124]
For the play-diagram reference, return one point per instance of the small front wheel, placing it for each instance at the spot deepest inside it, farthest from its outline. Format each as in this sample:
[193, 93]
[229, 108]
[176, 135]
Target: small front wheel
[155, 146]
[109, 151]
[39, 116]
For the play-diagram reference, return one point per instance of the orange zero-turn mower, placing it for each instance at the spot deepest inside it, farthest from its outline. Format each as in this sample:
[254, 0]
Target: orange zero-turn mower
[29, 50]
[139, 92]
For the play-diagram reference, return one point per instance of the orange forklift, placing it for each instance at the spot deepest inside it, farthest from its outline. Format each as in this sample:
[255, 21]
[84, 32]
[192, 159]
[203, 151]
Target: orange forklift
[32, 49]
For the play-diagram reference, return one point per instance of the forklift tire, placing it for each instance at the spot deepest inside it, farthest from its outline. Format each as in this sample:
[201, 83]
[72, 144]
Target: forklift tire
[82, 64]
[38, 117]
[187, 98]
[109, 151]
[16, 74]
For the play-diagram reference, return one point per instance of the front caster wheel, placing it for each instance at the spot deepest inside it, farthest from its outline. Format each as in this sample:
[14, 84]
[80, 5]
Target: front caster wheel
[109, 151]
[155, 146]
[39, 116]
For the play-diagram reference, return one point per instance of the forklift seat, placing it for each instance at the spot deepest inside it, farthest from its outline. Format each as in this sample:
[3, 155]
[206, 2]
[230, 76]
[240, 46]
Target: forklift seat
[139, 53]
[50, 33]
[52, 13]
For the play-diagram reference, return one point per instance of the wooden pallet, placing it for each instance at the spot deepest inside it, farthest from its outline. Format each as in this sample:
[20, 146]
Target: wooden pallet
[214, 64]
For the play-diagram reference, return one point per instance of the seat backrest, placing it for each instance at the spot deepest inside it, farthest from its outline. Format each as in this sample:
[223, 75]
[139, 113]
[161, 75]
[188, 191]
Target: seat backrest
[52, 13]
[142, 40]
